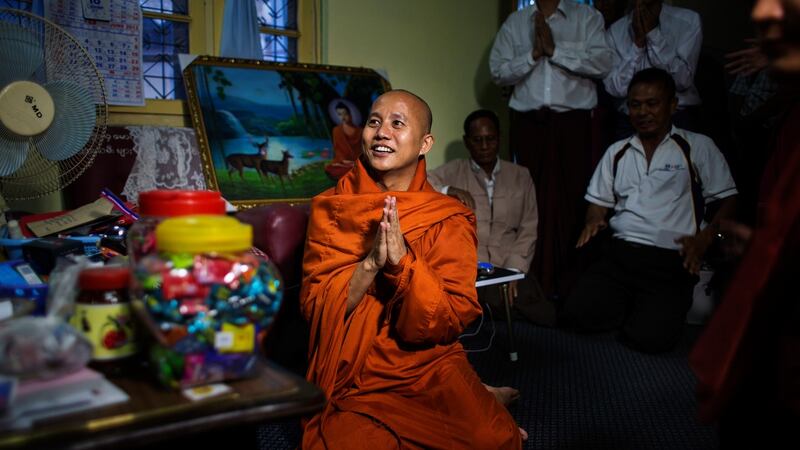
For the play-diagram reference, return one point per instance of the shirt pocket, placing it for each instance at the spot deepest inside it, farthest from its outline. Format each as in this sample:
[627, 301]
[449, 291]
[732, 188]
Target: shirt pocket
[670, 178]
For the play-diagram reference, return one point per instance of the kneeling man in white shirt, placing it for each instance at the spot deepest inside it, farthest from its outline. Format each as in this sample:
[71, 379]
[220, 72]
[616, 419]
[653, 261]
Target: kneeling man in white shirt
[658, 183]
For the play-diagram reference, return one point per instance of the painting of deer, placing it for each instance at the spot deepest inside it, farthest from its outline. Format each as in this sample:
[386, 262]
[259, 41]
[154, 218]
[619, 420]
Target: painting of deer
[279, 168]
[277, 125]
[238, 161]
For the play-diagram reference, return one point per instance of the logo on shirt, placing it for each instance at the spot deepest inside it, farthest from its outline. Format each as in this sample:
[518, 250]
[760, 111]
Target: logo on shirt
[673, 167]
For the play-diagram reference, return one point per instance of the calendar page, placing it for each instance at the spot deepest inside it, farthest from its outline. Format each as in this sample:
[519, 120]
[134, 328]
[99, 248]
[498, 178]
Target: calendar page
[115, 45]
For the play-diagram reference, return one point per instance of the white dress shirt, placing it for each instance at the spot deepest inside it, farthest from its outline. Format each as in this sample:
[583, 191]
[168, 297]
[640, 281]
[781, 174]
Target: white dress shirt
[674, 45]
[561, 82]
[653, 205]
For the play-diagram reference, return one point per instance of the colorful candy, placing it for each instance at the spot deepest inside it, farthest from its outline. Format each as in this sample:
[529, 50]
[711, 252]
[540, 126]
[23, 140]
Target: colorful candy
[209, 307]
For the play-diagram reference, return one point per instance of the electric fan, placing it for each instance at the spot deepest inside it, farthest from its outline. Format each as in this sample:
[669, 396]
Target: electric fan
[53, 108]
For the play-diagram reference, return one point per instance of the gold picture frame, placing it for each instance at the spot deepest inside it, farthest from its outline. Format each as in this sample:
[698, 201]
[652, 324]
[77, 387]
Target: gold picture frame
[265, 130]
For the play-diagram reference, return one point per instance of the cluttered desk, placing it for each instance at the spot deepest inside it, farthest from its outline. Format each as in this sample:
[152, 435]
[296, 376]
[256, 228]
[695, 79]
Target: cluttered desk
[158, 337]
[139, 410]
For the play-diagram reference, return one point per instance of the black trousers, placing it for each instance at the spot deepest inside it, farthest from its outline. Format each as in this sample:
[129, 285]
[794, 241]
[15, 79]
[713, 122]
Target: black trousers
[556, 148]
[641, 290]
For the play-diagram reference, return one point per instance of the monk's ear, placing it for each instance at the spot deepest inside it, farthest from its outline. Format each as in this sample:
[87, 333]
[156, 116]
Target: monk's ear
[427, 144]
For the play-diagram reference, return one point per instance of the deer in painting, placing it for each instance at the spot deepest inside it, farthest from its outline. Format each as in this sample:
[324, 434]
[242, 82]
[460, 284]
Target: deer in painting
[279, 168]
[238, 161]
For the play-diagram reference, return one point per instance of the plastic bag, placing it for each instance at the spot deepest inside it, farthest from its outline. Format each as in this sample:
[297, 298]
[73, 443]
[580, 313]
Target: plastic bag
[42, 347]
[47, 347]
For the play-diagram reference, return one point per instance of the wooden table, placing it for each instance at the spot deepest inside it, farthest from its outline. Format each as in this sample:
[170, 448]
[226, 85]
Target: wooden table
[502, 277]
[155, 414]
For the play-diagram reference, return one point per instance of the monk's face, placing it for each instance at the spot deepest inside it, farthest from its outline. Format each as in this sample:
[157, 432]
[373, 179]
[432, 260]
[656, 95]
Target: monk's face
[779, 26]
[396, 134]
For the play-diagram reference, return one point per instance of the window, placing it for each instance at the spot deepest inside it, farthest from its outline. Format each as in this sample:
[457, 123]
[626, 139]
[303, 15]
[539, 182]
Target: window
[194, 26]
[278, 25]
[171, 27]
[165, 34]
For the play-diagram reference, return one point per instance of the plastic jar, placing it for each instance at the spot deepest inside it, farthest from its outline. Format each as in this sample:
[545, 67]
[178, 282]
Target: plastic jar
[207, 299]
[103, 315]
[157, 205]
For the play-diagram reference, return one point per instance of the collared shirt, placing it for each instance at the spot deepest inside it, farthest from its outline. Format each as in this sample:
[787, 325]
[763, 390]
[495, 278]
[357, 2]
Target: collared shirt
[653, 205]
[505, 209]
[674, 45]
[561, 82]
[488, 182]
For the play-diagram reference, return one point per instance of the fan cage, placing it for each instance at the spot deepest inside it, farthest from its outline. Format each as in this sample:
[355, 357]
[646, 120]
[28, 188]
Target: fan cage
[64, 59]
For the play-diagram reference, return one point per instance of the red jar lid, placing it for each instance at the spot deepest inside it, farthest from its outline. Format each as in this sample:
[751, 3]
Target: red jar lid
[173, 203]
[104, 278]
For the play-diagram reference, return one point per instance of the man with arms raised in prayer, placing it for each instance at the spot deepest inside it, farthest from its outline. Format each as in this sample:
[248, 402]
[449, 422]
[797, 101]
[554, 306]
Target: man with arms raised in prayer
[388, 286]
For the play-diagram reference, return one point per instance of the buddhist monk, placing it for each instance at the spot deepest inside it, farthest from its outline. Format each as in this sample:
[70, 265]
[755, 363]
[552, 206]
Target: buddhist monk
[346, 143]
[388, 286]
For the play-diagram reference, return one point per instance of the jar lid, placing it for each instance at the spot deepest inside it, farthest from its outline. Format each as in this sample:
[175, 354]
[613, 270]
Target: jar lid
[173, 203]
[104, 278]
[203, 234]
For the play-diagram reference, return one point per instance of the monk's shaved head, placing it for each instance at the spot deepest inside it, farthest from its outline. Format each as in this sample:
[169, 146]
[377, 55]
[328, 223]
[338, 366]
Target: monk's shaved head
[396, 136]
[427, 115]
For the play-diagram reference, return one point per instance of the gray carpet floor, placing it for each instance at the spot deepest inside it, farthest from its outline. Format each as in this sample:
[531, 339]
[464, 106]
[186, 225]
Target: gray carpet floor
[579, 391]
[591, 392]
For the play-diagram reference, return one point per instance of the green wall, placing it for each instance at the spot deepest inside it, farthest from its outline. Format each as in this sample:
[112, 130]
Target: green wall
[438, 49]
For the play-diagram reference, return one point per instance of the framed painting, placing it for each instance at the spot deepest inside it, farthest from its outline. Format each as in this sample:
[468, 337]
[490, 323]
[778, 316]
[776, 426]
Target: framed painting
[272, 132]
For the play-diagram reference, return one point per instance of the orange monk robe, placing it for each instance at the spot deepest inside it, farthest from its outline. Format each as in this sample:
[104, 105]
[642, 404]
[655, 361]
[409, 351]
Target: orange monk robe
[394, 371]
[345, 148]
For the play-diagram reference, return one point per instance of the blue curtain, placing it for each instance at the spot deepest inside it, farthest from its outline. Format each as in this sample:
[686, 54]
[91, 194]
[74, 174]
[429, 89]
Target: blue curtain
[37, 7]
[240, 35]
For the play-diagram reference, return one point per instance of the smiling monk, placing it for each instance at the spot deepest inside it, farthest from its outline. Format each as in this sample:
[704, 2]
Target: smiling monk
[388, 286]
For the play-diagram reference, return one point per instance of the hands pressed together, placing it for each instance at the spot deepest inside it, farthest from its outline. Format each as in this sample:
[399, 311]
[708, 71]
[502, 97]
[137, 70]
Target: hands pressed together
[643, 19]
[543, 44]
[389, 245]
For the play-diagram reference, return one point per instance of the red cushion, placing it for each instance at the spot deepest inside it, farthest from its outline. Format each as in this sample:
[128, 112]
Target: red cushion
[279, 230]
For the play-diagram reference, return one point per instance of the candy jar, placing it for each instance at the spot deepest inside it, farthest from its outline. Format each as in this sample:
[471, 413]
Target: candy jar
[207, 299]
[157, 205]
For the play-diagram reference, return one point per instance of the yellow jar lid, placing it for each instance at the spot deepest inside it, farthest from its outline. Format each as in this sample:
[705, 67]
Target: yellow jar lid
[203, 234]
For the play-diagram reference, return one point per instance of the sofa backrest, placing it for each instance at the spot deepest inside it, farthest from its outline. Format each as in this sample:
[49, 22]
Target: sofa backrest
[279, 230]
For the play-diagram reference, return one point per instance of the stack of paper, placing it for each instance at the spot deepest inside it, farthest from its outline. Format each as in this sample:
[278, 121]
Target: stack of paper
[79, 391]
